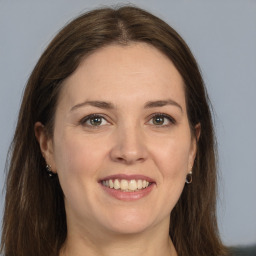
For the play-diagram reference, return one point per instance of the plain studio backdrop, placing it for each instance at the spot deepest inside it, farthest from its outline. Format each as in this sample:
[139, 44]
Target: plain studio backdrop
[222, 36]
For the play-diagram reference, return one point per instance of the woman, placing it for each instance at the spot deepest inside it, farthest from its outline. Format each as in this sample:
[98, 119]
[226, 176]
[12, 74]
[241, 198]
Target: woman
[114, 150]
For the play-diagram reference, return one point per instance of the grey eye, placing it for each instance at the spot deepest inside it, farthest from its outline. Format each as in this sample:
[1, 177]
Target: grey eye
[158, 120]
[161, 120]
[95, 121]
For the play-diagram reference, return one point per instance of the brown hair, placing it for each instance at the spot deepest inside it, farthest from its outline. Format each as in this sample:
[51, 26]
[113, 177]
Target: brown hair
[34, 219]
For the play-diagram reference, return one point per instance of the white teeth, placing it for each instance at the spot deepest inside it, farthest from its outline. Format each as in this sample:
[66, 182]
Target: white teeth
[139, 184]
[116, 184]
[126, 185]
[133, 185]
[111, 184]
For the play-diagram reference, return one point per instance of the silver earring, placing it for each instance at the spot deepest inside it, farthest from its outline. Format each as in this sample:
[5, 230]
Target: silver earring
[49, 171]
[189, 178]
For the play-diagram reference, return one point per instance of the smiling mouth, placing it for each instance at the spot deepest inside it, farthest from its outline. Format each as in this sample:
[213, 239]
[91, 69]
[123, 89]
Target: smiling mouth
[126, 185]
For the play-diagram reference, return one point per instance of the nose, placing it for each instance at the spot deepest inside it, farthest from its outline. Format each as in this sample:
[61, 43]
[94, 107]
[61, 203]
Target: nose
[129, 146]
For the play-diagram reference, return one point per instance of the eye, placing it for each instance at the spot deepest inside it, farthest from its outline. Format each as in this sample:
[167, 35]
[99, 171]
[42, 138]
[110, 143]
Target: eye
[93, 120]
[160, 119]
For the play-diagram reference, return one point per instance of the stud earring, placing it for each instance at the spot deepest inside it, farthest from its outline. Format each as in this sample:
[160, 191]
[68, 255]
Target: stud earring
[189, 178]
[49, 171]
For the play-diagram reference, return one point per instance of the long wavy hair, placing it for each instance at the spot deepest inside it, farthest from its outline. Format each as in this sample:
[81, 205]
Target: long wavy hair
[34, 220]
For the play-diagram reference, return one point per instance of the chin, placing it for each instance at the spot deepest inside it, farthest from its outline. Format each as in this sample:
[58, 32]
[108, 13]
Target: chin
[128, 228]
[130, 222]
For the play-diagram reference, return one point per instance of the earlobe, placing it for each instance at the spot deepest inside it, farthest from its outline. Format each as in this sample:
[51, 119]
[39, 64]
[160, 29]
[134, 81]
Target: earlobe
[45, 144]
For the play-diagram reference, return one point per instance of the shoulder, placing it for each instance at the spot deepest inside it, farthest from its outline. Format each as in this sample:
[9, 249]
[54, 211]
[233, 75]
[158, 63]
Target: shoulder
[243, 250]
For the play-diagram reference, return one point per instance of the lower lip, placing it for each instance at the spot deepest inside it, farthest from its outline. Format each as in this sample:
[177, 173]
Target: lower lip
[128, 196]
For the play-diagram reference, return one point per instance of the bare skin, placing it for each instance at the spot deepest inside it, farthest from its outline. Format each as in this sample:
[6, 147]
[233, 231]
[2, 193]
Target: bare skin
[121, 116]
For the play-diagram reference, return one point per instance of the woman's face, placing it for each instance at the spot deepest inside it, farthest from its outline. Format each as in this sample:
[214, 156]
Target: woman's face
[122, 145]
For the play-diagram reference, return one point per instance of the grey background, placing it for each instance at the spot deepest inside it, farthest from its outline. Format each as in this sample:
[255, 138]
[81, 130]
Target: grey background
[222, 36]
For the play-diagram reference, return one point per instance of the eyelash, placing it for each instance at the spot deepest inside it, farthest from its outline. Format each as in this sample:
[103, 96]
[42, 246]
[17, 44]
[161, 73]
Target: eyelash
[87, 118]
[162, 115]
[100, 116]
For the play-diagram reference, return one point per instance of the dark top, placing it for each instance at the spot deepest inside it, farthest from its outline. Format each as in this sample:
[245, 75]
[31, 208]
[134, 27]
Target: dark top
[243, 251]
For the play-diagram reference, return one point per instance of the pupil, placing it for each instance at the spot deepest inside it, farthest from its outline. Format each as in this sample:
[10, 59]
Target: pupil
[158, 120]
[95, 121]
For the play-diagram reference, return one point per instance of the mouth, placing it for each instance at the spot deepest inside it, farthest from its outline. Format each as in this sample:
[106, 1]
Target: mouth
[126, 185]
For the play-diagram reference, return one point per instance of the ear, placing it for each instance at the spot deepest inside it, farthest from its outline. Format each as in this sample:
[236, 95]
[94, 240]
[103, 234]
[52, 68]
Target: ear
[46, 145]
[193, 149]
[197, 131]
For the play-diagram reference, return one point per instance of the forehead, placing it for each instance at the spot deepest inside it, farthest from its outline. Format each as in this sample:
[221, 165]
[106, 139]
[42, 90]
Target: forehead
[135, 69]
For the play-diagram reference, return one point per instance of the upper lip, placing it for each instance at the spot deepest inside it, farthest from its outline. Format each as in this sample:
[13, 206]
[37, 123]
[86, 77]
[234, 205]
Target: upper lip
[127, 177]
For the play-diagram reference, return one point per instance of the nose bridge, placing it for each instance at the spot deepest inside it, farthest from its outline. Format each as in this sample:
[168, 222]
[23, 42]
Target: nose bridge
[129, 144]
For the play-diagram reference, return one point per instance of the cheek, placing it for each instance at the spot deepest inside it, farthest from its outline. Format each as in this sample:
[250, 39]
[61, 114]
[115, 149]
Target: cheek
[173, 168]
[77, 161]
[76, 155]
[172, 161]
[172, 156]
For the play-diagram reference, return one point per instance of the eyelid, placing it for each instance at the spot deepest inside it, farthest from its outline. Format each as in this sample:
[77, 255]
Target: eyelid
[164, 115]
[83, 120]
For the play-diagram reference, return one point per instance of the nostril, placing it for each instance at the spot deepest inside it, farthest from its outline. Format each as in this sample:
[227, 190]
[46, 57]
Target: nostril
[129, 159]
[128, 152]
[141, 159]
[120, 159]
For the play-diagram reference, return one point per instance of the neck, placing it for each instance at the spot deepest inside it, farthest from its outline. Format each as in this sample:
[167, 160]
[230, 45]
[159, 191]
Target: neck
[150, 243]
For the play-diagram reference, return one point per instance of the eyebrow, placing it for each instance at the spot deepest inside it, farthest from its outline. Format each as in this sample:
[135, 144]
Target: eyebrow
[162, 103]
[98, 104]
[108, 105]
